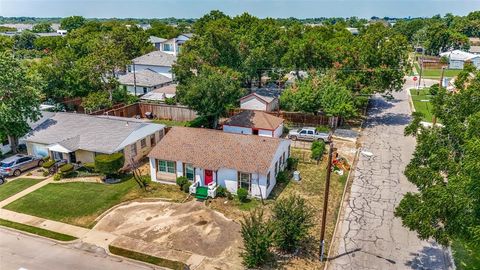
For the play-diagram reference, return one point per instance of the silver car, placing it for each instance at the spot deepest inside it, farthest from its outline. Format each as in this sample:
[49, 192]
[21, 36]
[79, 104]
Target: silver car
[308, 134]
[15, 165]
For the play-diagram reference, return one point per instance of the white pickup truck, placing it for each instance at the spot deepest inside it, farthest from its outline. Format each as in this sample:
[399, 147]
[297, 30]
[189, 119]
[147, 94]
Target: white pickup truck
[307, 134]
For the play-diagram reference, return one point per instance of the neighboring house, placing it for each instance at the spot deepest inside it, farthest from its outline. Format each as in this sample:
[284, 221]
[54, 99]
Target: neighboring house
[78, 138]
[174, 45]
[162, 93]
[261, 100]
[211, 157]
[256, 123]
[156, 41]
[457, 59]
[157, 61]
[353, 30]
[474, 49]
[143, 81]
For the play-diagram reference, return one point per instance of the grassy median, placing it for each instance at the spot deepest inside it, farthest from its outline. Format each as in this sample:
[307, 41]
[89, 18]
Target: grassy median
[147, 258]
[36, 231]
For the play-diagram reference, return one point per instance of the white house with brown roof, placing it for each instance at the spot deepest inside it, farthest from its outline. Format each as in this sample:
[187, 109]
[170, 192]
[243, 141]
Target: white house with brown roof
[256, 123]
[261, 100]
[210, 158]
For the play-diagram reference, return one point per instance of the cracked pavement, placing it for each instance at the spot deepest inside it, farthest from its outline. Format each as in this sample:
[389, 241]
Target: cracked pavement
[369, 235]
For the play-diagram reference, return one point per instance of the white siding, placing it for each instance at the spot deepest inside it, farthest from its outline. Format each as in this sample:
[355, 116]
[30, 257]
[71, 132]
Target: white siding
[140, 90]
[166, 71]
[253, 103]
[265, 133]
[278, 132]
[179, 168]
[456, 64]
[238, 130]
[153, 170]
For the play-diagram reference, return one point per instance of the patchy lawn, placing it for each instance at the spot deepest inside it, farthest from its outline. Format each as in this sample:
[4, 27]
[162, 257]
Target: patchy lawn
[13, 187]
[466, 256]
[436, 73]
[80, 203]
[421, 102]
[170, 123]
[311, 187]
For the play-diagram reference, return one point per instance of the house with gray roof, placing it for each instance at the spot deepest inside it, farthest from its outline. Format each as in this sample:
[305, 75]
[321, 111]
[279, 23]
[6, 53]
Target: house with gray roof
[458, 58]
[143, 82]
[157, 61]
[156, 41]
[78, 138]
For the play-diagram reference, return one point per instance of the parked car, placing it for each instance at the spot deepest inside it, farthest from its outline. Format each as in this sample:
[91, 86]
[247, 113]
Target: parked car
[307, 134]
[15, 165]
[2, 179]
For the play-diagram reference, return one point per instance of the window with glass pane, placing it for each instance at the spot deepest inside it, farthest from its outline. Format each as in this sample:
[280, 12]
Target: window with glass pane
[268, 180]
[166, 166]
[189, 172]
[244, 180]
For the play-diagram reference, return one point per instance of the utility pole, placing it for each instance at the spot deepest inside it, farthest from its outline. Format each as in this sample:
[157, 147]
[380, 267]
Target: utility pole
[134, 79]
[325, 198]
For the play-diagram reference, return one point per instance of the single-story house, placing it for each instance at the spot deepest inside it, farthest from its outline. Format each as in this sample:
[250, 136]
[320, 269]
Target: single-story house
[160, 94]
[474, 49]
[457, 59]
[156, 41]
[78, 138]
[144, 81]
[256, 123]
[212, 157]
[261, 99]
[157, 61]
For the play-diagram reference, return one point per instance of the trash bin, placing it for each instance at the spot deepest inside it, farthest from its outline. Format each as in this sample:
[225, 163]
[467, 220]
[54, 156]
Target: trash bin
[296, 175]
[149, 115]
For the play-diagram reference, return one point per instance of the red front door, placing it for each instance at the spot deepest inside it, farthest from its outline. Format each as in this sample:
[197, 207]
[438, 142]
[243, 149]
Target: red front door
[208, 177]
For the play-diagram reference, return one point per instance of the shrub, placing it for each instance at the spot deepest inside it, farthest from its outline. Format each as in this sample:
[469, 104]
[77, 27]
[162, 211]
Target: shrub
[323, 129]
[45, 159]
[242, 194]
[318, 148]
[221, 191]
[198, 122]
[45, 173]
[186, 187]
[170, 101]
[257, 239]
[282, 177]
[292, 220]
[66, 168]
[182, 180]
[57, 177]
[434, 89]
[48, 164]
[109, 164]
[292, 163]
[285, 130]
[89, 166]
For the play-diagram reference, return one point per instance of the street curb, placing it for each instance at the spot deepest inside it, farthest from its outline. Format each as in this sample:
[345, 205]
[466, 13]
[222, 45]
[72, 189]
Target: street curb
[40, 236]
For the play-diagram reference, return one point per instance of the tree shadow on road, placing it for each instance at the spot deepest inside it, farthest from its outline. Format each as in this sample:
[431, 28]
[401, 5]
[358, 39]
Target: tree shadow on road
[389, 119]
[430, 257]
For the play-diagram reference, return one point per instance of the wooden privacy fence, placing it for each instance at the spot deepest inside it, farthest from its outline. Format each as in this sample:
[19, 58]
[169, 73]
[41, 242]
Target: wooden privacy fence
[300, 118]
[160, 111]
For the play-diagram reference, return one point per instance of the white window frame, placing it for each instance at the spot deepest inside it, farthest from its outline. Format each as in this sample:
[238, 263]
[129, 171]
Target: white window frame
[168, 166]
[241, 180]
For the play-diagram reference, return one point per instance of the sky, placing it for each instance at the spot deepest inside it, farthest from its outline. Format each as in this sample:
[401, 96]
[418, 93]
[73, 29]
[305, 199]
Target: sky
[260, 8]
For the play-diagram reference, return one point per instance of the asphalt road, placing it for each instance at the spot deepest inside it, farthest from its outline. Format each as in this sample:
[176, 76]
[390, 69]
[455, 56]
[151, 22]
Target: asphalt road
[370, 237]
[20, 251]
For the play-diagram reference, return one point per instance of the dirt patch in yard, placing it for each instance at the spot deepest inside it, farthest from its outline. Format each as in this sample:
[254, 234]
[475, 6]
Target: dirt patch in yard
[191, 229]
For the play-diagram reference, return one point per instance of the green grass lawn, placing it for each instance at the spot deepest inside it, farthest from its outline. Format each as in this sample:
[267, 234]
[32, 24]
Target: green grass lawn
[170, 123]
[80, 203]
[436, 73]
[466, 256]
[37, 231]
[75, 203]
[13, 187]
[419, 98]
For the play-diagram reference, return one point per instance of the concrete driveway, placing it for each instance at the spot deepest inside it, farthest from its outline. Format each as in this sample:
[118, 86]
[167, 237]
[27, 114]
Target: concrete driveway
[188, 232]
[369, 236]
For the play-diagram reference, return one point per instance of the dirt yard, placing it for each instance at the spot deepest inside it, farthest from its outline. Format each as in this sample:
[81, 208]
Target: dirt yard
[188, 232]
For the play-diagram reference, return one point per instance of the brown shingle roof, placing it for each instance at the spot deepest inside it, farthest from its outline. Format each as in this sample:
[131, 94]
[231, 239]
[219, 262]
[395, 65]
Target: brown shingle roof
[214, 149]
[255, 119]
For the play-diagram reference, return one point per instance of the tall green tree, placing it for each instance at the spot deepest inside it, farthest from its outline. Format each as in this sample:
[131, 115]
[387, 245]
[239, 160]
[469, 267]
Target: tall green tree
[211, 92]
[42, 28]
[19, 99]
[445, 168]
[72, 23]
[24, 40]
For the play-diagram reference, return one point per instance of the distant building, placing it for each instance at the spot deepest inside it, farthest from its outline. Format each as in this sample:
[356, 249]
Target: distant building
[160, 94]
[353, 30]
[457, 59]
[156, 41]
[157, 61]
[174, 45]
[261, 99]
